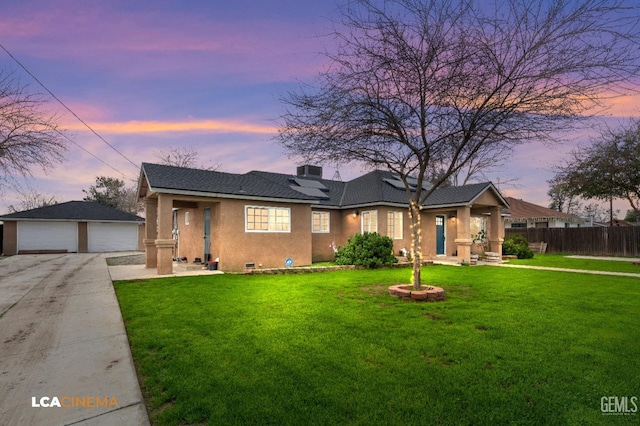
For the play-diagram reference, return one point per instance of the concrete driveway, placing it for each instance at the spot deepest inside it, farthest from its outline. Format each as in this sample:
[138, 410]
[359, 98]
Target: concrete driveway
[64, 354]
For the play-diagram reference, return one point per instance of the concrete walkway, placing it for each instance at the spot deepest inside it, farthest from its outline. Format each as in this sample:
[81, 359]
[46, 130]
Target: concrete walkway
[581, 271]
[453, 262]
[139, 272]
[64, 342]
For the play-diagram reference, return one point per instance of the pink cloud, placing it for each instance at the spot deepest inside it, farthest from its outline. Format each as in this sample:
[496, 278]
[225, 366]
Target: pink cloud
[142, 127]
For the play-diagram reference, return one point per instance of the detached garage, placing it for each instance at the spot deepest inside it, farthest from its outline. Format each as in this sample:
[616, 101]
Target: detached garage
[72, 227]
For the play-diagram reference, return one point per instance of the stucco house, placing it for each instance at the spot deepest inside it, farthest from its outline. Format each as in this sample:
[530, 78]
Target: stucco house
[73, 227]
[523, 214]
[262, 219]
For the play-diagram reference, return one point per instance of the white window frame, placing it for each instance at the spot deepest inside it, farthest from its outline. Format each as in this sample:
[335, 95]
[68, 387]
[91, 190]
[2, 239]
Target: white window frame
[274, 222]
[395, 232]
[371, 217]
[320, 215]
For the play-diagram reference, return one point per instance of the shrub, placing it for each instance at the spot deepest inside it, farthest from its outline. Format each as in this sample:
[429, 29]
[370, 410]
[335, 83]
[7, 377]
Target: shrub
[518, 245]
[370, 250]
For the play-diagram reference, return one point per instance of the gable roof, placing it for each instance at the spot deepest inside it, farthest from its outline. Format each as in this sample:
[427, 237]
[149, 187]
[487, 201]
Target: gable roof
[75, 210]
[520, 209]
[376, 187]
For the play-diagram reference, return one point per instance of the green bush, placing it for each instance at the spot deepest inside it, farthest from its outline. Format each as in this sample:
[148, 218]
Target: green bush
[517, 245]
[370, 250]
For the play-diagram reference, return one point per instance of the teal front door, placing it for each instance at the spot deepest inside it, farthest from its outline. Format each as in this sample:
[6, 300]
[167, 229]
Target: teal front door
[440, 234]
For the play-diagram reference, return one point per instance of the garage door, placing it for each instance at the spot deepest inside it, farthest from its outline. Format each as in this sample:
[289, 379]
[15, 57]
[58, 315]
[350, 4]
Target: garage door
[105, 237]
[48, 236]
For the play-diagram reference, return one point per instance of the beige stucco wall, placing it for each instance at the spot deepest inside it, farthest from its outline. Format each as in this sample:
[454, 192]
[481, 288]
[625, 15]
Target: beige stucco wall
[234, 246]
[321, 243]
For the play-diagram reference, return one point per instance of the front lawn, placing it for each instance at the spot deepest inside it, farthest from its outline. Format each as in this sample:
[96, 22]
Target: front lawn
[562, 261]
[521, 346]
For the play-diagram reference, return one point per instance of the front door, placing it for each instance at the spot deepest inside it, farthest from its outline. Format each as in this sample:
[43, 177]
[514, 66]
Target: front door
[207, 234]
[440, 234]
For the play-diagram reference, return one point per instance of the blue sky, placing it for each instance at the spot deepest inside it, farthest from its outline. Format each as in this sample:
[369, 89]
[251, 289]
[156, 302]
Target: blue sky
[151, 75]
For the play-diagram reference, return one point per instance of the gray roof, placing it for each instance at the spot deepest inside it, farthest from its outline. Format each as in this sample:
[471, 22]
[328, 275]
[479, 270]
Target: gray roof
[75, 210]
[372, 188]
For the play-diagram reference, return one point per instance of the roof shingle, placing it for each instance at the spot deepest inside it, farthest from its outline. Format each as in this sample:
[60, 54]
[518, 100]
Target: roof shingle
[371, 188]
[75, 210]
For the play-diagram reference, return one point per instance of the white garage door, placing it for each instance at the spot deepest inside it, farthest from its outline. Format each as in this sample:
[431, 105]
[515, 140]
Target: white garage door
[105, 237]
[48, 236]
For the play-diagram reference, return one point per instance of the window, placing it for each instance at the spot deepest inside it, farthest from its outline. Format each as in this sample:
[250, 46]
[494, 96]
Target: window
[267, 219]
[394, 225]
[519, 225]
[369, 221]
[320, 222]
[477, 224]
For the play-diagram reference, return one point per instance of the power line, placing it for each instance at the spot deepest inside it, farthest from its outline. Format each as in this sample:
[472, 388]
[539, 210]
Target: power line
[91, 153]
[72, 113]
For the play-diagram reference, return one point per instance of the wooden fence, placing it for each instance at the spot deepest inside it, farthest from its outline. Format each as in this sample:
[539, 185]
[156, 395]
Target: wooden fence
[601, 241]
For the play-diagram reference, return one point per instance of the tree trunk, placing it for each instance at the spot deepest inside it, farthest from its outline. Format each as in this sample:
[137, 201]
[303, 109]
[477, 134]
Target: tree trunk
[416, 252]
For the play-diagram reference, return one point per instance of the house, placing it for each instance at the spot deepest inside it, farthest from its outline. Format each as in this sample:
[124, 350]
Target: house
[263, 220]
[523, 214]
[74, 227]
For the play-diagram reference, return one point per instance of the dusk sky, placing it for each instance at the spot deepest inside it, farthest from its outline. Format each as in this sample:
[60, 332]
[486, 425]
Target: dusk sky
[151, 75]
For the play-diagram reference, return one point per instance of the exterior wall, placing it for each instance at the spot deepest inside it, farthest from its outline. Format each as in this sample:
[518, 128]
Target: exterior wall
[428, 233]
[264, 249]
[191, 235]
[236, 247]
[351, 224]
[322, 243]
[428, 222]
[10, 238]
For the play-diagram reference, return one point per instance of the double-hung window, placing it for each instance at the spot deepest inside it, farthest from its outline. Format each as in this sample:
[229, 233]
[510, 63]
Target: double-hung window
[320, 222]
[267, 219]
[369, 221]
[394, 225]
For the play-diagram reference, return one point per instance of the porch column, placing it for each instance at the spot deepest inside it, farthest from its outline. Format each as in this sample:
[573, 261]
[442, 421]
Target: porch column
[463, 240]
[164, 243]
[496, 230]
[151, 233]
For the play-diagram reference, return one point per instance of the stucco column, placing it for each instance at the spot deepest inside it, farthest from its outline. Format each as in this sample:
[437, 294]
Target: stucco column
[164, 242]
[496, 230]
[151, 233]
[463, 238]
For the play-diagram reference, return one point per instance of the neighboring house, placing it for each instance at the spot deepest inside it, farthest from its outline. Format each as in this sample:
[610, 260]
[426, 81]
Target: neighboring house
[527, 215]
[74, 227]
[261, 219]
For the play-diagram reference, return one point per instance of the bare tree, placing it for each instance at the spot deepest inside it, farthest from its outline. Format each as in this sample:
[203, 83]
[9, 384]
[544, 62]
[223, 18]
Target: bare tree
[182, 157]
[31, 198]
[421, 86]
[29, 136]
[487, 161]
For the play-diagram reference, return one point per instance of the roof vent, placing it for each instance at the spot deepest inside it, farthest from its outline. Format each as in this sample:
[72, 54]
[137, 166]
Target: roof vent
[310, 171]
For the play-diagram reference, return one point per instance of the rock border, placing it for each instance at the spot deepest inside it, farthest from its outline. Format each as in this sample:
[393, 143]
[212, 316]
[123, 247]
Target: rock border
[427, 293]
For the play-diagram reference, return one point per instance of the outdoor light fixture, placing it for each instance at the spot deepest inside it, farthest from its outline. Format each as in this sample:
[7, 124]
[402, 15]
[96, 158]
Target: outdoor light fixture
[355, 213]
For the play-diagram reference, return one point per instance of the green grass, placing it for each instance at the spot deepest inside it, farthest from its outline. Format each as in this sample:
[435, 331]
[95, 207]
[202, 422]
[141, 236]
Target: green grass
[562, 261]
[508, 346]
